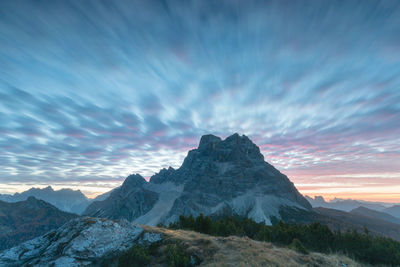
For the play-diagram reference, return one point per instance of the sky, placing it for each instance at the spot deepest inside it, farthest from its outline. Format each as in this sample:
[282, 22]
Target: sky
[91, 91]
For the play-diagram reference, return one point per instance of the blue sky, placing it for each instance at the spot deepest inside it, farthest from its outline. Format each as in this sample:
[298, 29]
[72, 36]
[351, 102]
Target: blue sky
[91, 91]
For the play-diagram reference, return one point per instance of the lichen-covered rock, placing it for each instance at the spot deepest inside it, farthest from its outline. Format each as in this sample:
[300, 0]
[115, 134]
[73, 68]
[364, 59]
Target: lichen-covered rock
[80, 242]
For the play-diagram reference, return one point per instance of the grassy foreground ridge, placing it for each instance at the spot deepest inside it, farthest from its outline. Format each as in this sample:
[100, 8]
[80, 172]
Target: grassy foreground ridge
[315, 237]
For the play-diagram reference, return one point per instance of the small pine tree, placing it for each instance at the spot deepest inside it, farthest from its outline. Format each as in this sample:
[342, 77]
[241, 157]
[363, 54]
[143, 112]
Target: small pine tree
[298, 246]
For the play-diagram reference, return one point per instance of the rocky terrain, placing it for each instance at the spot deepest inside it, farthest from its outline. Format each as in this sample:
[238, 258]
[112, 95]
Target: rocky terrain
[100, 242]
[220, 177]
[82, 241]
[68, 200]
[21, 221]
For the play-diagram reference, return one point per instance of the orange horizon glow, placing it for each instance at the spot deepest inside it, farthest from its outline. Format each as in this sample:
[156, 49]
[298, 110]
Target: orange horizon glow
[91, 192]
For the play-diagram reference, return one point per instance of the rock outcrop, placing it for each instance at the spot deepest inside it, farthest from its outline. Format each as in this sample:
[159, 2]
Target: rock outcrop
[80, 242]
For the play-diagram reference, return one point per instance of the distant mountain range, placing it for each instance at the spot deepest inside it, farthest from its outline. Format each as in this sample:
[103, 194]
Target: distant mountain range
[375, 214]
[351, 204]
[394, 211]
[68, 200]
[20, 221]
[220, 177]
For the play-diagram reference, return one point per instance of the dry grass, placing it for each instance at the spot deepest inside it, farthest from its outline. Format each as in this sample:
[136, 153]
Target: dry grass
[242, 251]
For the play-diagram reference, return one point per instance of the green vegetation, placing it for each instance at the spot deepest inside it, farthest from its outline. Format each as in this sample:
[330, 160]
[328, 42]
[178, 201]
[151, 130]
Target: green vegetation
[176, 256]
[172, 253]
[136, 256]
[298, 246]
[314, 237]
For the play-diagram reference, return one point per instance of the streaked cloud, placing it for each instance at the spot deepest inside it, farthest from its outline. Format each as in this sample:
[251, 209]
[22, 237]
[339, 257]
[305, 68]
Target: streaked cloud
[92, 91]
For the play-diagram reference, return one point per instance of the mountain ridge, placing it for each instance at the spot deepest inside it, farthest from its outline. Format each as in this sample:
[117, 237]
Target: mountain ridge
[345, 204]
[65, 199]
[375, 214]
[23, 220]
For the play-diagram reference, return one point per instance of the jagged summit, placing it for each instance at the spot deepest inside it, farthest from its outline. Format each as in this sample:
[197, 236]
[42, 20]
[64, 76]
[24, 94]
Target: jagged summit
[233, 148]
[207, 140]
[219, 177]
[163, 175]
[134, 180]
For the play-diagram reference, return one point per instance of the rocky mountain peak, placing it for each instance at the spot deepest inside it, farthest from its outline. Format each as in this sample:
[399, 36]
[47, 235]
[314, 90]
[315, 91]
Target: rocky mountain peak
[208, 140]
[238, 150]
[163, 175]
[220, 177]
[134, 180]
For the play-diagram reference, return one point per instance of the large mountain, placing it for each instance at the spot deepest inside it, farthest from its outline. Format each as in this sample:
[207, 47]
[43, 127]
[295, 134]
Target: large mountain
[27, 219]
[220, 177]
[65, 199]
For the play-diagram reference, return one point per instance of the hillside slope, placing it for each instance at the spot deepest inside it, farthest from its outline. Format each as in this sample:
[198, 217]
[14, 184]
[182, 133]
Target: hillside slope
[394, 211]
[98, 242]
[375, 214]
[27, 219]
[338, 220]
[232, 251]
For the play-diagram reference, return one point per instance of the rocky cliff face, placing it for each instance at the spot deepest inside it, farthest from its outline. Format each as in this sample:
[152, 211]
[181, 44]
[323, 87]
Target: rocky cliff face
[220, 177]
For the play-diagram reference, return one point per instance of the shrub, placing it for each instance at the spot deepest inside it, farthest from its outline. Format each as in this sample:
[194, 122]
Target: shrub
[298, 246]
[176, 256]
[136, 256]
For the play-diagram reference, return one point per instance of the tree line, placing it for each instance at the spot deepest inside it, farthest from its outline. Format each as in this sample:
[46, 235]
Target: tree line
[317, 237]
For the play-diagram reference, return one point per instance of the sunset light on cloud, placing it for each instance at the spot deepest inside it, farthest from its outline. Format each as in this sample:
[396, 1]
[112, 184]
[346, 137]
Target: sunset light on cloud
[88, 96]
